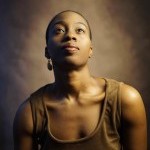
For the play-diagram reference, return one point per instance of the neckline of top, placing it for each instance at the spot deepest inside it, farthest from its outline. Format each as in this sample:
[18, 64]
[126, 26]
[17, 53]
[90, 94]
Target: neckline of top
[92, 133]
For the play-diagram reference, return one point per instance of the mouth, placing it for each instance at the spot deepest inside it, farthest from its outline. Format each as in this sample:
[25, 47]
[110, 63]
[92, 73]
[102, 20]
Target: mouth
[70, 48]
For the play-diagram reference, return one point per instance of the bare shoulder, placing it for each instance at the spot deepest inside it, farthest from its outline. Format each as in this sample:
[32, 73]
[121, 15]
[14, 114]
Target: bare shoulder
[129, 95]
[23, 119]
[132, 105]
[134, 125]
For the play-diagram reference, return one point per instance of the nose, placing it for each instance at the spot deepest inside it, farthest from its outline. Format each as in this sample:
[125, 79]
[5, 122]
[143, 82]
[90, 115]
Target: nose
[70, 36]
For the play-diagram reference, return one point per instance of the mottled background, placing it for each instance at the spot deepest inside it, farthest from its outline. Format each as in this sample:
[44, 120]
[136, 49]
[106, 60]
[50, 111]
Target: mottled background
[121, 39]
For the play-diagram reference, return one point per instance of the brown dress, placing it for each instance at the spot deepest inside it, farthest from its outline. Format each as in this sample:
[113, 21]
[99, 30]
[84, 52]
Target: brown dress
[106, 136]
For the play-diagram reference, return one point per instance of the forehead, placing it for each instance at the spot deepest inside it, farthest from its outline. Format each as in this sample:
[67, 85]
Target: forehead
[69, 17]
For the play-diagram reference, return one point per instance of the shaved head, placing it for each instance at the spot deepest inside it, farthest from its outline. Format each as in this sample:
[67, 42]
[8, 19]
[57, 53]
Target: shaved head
[66, 11]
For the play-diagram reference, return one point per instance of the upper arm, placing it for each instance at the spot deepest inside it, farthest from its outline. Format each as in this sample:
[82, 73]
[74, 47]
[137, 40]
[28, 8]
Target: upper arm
[134, 125]
[23, 128]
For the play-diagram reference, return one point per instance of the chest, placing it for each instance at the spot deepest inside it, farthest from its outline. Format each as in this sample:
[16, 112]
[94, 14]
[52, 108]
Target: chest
[70, 122]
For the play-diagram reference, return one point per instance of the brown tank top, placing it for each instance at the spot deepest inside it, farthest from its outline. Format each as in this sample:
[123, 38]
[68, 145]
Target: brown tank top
[106, 136]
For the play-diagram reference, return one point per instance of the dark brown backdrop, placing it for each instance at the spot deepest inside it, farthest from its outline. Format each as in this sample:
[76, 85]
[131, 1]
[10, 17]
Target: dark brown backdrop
[121, 39]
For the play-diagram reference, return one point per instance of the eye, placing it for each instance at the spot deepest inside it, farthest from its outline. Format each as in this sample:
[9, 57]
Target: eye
[59, 30]
[80, 30]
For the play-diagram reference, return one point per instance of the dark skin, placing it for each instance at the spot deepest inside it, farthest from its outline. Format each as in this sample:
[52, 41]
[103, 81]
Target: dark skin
[76, 97]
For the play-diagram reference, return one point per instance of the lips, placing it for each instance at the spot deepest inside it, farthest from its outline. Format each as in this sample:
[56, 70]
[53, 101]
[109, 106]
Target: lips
[70, 47]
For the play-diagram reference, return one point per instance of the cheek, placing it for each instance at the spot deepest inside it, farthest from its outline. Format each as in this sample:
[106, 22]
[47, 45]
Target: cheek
[53, 45]
[55, 40]
[86, 45]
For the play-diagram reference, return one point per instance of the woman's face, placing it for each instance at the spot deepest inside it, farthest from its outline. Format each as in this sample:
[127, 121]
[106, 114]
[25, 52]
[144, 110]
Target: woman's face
[69, 41]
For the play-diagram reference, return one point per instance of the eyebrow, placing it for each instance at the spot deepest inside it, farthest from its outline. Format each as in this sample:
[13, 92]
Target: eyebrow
[82, 24]
[58, 22]
[64, 23]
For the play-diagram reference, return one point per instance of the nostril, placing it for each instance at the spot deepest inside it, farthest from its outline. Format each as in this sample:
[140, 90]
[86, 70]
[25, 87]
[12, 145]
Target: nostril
[74, 38]
[70, 37]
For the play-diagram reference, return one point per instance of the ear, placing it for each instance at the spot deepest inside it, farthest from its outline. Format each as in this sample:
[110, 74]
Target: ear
[47, 53]
[91, 52]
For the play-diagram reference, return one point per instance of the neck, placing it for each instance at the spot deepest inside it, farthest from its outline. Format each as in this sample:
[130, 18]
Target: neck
[72, 82]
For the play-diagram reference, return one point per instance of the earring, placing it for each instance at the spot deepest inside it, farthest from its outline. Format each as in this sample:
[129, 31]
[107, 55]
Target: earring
[49, 65]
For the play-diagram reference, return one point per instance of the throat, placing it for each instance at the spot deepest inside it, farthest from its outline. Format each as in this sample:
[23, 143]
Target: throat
[73, 88]
[72, 81]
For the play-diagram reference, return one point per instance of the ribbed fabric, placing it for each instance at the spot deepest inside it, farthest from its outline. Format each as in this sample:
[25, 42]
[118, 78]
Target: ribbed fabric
[105, 137]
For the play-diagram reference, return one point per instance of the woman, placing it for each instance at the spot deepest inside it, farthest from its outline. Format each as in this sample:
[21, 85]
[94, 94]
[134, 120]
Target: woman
[78, 111]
